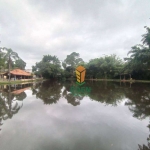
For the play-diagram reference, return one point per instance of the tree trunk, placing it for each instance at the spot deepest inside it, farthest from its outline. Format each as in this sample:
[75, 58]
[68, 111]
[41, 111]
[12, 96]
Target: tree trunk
[120, 77]
[9, 68]
[105, 75]
[9, 100]
[130, 84]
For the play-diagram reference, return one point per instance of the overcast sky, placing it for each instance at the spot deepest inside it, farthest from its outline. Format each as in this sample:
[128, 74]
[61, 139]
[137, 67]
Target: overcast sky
[34, 28]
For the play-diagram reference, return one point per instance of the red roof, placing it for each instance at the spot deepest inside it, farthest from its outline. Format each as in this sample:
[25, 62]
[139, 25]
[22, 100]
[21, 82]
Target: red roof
[19, 91]
[20, 72]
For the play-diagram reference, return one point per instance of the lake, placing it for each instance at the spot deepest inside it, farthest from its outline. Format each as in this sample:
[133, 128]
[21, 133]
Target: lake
[54, 115]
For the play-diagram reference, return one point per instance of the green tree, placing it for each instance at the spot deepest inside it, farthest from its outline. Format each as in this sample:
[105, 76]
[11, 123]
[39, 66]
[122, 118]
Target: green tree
[9, 55]
[19, 63]
[139, 61]
[71, 62]
[103, 67]
[49, 67]
[2, 61]
[146, 37]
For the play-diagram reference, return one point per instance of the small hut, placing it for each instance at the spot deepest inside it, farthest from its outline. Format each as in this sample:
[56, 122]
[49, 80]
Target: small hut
[16, 74]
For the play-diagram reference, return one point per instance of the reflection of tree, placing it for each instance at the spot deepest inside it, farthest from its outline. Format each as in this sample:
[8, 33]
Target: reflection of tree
[21, 96]
[139, 104]
[49, 92]
[72, 99]
[139, 100]
[144, 147]
[108, 93]
[9, 104]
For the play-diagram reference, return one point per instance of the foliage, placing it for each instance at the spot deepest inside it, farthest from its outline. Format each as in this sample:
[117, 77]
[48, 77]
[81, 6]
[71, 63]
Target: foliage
[49, 67]
[146, 37]
[102, 67]
[10, 59]
[70, 63]
[49, 92]
[73, 60]
[19, 63]
[138, 64]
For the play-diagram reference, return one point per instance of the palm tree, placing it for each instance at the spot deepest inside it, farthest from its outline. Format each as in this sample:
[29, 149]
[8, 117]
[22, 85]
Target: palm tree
[9, 55]
[140, 56]
[146, 37]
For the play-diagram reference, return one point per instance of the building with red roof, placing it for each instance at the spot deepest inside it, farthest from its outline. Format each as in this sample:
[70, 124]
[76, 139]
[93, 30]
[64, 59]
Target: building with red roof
[16, 74]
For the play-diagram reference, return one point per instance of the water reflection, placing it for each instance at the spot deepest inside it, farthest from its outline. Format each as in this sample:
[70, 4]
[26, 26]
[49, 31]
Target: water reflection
[49, 92]
[71, 98]
[139, 100]
[137, 97]
[10, 97]
[107, 93]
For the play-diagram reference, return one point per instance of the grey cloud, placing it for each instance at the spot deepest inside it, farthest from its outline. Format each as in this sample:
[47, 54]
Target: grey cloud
[92, 28]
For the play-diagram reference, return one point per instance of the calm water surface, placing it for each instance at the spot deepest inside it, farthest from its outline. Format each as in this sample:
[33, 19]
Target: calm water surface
[61, 116]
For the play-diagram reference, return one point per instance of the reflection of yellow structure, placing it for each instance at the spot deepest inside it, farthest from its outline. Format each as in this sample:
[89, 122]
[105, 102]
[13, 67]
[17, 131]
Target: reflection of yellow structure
[80, 74]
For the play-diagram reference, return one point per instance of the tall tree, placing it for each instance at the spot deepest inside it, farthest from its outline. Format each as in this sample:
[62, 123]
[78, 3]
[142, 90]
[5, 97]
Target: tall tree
[104, 66]
[9, 56]
[71, 62]
[49, 67]
[139, 60]
[146, 37]
[19, 63]
[2, 61]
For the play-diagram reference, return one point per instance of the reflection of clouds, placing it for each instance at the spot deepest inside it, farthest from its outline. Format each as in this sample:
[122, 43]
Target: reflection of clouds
[29, 93]
[122, 103]
[91, 123]
[61, 125]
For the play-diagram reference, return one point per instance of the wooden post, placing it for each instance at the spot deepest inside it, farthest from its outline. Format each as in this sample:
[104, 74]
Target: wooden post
[130, 76]
[130, 84]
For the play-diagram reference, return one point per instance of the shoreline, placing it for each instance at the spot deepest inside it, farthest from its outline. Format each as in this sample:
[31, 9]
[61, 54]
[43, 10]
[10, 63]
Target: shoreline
[20, 82]
[105, 80]
[118, 80]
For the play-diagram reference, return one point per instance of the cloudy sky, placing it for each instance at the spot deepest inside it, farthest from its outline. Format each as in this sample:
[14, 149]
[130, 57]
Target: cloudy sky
[34, 28]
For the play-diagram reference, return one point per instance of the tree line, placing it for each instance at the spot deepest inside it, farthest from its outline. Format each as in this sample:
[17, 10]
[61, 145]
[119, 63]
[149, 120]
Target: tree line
[136, 65]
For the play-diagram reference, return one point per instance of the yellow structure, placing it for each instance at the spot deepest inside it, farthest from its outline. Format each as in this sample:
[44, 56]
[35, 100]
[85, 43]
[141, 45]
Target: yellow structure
[80, 74]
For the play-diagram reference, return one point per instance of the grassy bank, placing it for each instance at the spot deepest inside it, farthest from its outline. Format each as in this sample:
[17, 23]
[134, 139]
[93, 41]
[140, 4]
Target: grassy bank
[19, 81]
[118, 80]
